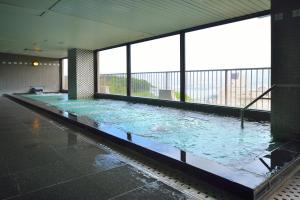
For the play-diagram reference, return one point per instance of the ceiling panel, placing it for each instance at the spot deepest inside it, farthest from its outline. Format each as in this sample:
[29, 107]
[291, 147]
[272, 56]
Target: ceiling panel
[93, 24]
[157, 16]
[55, 33]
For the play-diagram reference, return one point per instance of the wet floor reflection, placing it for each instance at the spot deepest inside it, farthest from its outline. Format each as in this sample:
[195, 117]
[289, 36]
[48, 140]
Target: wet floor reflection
[96, 124]
[35, 126]
[281, 157]
[182, 156]
[72, 139]
[274, 161]
[65, 114]
[72, 116]
[129, 137]
[35, 123]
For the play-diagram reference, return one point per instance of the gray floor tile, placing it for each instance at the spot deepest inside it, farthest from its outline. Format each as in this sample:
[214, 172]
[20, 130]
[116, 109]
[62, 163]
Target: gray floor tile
[120, 180]
[79, 189]
[89, 159]
[43, 176]
[3, 167]
[14, 136]
[154, 190]
[49, 135]
[64, 141]
[16, 126]
[104, 185]
[8, 187]
[29, 156]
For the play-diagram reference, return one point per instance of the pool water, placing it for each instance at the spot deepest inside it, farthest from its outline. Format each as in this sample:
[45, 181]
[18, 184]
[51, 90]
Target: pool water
[214, 137]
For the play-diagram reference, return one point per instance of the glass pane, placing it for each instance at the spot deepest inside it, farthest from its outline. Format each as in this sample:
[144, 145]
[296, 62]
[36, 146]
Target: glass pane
[65, 74]
[229, 64]
[155, 68]
[112, 78]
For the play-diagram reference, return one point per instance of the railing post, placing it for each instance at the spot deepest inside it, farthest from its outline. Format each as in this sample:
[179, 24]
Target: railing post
[226, 82]
[182, 67]
[128, 71]
[166, 80]
[242, 118]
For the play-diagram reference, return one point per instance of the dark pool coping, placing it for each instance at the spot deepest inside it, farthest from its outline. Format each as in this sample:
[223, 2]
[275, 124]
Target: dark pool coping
[243, 182]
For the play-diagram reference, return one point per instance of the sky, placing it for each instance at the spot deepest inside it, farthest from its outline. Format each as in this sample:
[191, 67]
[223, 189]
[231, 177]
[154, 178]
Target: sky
[244, 44]
[65, 67]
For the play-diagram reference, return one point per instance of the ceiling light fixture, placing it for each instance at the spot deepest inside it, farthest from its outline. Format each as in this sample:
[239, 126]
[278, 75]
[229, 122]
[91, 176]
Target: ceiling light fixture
[35, 63]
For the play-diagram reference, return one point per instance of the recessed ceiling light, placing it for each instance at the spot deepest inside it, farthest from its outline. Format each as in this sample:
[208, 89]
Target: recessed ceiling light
[35, 63]
[36, 50]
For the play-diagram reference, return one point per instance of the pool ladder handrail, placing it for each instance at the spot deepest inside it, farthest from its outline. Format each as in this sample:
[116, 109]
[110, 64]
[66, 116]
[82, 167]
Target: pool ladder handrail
[252, 102]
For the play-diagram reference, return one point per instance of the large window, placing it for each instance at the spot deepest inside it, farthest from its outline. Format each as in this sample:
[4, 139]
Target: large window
[225, 65]
[229, 64]
[65, 74]
[155, 68]
[112, 71]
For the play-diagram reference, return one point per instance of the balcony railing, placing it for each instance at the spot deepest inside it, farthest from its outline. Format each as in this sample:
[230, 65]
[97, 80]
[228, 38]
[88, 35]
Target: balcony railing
[226, 87]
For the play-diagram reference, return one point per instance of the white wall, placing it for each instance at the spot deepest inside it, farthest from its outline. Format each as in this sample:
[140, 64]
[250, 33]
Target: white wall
[17, 74]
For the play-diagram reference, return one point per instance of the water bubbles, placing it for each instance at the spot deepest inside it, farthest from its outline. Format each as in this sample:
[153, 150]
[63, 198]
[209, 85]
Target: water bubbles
[214, 137]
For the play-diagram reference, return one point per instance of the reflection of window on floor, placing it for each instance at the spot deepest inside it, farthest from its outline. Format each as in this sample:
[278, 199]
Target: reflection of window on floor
[155, 68]
[112, 77]
[65, 74]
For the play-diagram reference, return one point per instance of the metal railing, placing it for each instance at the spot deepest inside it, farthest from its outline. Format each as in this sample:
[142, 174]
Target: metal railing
[155, 83]
[252, 102]
[227, 87]
[112, 83]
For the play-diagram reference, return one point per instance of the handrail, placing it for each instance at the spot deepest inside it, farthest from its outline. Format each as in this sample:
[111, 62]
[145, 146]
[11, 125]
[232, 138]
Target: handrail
[199, 70]
[252, 102]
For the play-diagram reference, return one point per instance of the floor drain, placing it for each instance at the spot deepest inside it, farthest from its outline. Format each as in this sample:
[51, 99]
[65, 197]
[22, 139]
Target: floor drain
[289, 191]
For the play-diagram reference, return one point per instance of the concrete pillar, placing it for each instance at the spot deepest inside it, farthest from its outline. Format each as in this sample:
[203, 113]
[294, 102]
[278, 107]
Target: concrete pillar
[80, 73]
[285, 116]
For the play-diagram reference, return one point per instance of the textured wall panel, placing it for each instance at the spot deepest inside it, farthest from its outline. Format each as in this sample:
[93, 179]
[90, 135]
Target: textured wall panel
[17, 73]
[286, 69]
[72, 79]
[81, 73]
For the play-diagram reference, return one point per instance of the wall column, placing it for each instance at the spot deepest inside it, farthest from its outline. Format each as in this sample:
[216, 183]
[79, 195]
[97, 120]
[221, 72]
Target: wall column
[81, 73]
[285, 115]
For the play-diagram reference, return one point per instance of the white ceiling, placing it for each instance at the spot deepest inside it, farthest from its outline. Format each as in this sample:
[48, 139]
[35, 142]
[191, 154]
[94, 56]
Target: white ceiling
[49, 27]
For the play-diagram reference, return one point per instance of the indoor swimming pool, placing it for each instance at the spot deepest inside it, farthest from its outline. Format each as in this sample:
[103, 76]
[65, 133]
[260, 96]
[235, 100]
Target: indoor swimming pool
[213, 137]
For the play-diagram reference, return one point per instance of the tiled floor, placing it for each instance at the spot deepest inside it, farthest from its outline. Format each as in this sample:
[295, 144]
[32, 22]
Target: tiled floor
[41, 159]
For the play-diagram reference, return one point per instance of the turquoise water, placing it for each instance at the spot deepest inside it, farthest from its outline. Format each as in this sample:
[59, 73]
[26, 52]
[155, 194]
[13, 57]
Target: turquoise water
[214, 137]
